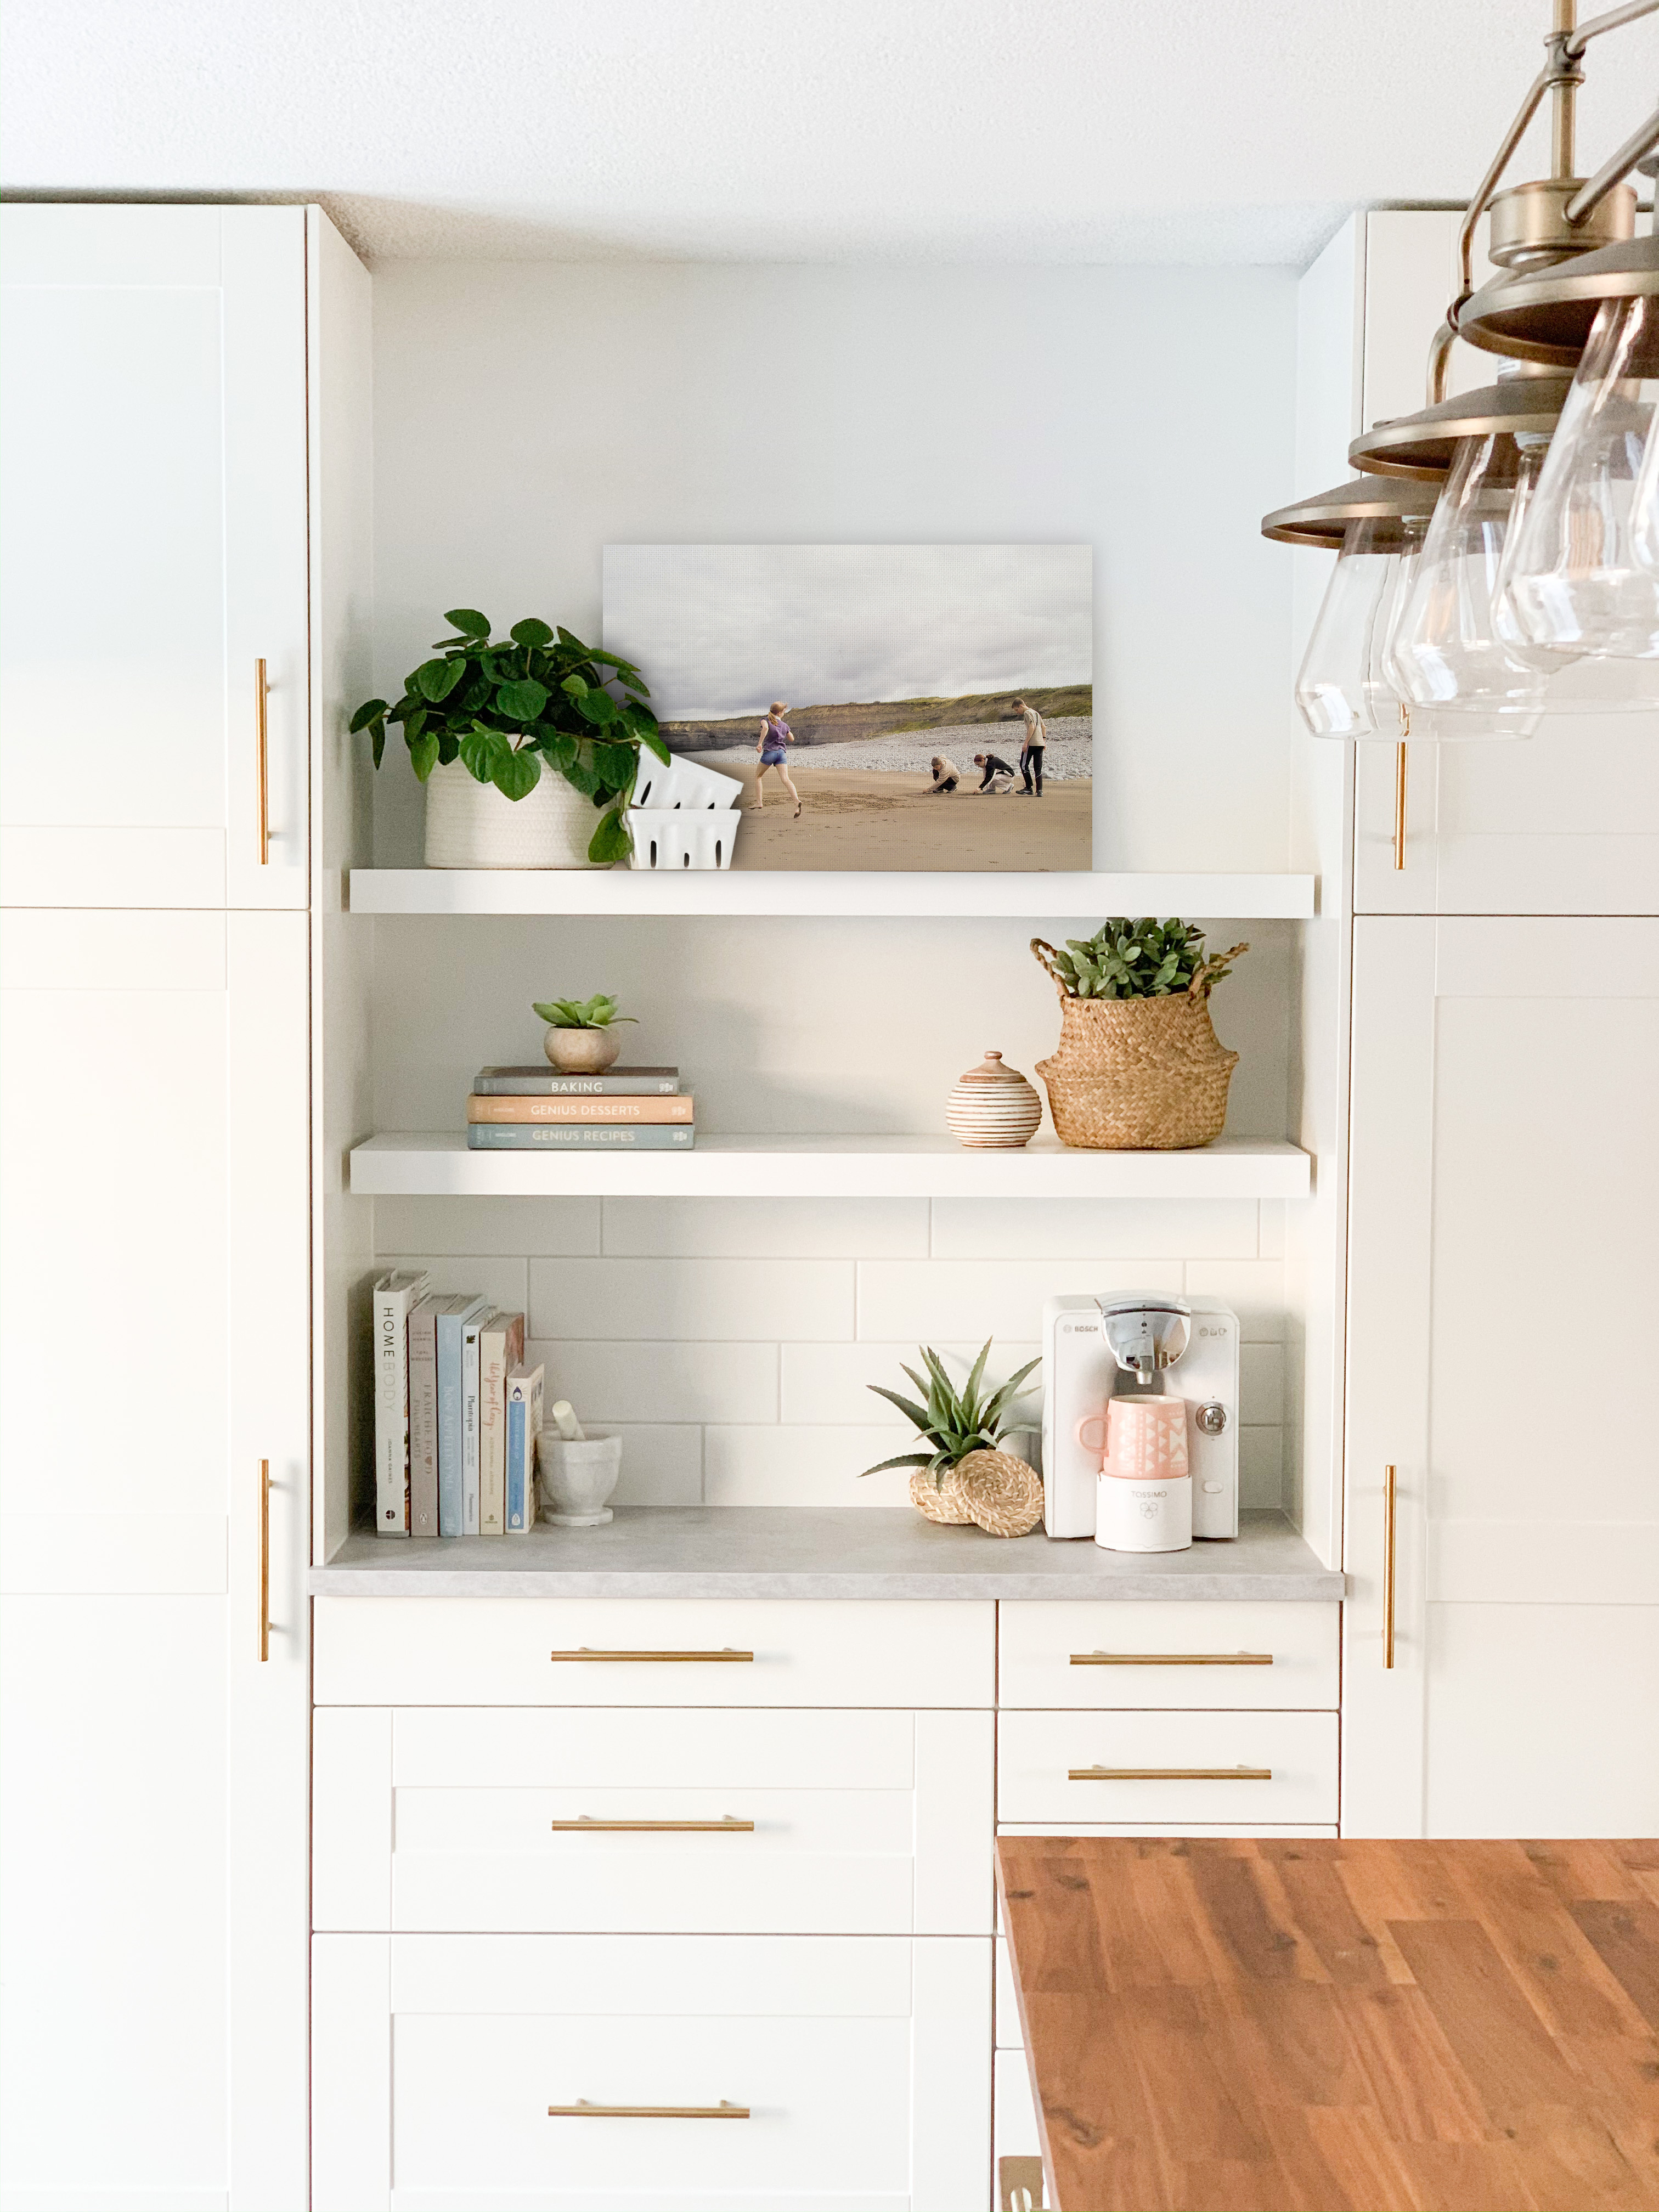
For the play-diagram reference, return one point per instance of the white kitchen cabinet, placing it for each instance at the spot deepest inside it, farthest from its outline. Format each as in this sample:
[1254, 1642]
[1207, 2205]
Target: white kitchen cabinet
[1089, 1656]
[1503, 1310]
[856, 2072]
[152, 469]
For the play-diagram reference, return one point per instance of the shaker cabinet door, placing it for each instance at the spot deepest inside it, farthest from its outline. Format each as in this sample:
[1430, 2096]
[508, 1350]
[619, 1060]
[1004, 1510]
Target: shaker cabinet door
[153, 471]
[1503, 1306]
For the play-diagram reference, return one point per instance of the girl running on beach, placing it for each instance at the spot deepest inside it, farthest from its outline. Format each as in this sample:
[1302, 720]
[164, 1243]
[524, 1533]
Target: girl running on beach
[775, 734]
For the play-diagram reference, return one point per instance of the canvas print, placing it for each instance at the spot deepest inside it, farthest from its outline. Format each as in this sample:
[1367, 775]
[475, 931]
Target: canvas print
[884, 706]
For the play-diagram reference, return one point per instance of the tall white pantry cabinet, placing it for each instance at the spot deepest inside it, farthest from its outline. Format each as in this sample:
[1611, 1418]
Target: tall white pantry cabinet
[1501, 1223]
[177, 608]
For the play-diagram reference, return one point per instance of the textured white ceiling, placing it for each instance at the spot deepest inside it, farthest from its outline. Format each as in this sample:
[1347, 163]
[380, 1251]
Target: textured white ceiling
[1119, 131]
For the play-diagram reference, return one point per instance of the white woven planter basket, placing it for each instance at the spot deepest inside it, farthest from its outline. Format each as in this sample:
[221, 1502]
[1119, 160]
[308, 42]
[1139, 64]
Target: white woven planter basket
[682, 783]
[470, 824]
[665, 839]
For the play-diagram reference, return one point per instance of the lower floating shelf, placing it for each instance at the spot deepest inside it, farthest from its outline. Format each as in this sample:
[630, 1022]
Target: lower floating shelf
[437, 1165]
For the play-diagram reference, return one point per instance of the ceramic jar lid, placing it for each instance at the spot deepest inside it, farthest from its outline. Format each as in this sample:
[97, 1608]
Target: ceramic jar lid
[991, 1070]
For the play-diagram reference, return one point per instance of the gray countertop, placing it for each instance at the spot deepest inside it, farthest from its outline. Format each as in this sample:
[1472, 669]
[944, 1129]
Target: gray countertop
[806, 1552]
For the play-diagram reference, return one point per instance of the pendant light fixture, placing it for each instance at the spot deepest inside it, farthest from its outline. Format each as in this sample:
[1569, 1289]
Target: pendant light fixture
[1542, 552]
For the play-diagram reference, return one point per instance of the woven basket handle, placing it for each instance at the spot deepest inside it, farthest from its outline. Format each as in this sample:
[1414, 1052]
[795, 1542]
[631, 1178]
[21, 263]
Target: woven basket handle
[1046, 955]
[1204, 979]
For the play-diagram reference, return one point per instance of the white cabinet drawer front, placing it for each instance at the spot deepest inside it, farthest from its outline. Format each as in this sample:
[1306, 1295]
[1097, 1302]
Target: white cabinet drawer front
[658, 1651]
[678, 1750]
[1168, 1656]
[1180, 1767]
[835, 2052]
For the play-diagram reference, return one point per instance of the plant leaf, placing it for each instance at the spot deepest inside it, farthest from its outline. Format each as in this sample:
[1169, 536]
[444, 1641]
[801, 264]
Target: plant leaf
[424, 756]
[516, 774]
[616, 764]
[469, 622]
[530, 631]
[905, 1459]
[598, 707]
[371, 710]
[576, 686]
[436, 679]
[610, 841]
[907, 1407]
[522, 701]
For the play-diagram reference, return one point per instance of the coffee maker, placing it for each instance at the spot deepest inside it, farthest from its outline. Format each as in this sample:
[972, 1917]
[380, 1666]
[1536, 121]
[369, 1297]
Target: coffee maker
[1095, 1348]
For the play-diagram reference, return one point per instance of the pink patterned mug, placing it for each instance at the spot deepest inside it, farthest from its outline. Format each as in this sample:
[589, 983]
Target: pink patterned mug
[1145, 1439]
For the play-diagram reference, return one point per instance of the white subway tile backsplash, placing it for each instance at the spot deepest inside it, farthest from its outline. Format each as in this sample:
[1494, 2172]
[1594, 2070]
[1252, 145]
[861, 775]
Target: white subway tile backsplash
[1255, 1289]
[1272, 1246]
[1093, 1229]
[827, 1383]
[968, 1300]
[660, 1465]
[500, 1280]
[487, 1224]
[1261, 1382]
[671, 1381]
[766, 1228]
[713, 1301]
[801, 1466]
[1261, 1466]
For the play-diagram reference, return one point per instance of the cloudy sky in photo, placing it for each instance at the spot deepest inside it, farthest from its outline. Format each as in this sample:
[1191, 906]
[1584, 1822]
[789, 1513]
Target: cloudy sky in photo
[725, 629]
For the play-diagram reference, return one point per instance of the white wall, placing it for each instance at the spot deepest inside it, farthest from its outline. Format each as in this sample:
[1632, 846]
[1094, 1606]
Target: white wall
[527, 413]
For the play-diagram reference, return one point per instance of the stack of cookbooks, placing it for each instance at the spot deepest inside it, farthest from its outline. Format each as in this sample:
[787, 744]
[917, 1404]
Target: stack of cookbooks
[637, 1109]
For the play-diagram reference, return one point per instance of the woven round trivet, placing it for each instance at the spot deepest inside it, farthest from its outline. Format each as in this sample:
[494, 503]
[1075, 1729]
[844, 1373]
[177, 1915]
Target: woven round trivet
[1003, 1496]
[942, 1502]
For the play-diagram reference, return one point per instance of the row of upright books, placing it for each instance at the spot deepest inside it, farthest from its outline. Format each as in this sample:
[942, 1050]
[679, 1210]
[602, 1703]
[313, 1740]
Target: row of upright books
[640, 1109]
[456, 1414]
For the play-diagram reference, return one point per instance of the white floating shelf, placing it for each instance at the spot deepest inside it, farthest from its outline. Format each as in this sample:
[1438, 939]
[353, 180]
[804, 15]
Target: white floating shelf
[439, 1165]
[768, 892]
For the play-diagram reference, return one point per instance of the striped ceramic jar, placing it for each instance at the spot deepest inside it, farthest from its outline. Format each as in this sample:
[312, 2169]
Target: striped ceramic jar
[992, 1105]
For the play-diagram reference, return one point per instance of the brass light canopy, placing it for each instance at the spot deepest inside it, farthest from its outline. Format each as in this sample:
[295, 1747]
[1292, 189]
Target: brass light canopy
[1324, 520]
[1544, 315]
[1422, 446]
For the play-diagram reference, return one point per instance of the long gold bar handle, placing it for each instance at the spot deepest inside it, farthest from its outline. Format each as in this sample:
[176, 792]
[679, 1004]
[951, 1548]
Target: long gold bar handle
[634, 1657]
[1388, 1566]
[264, 1560]
[1399, 801]
[1172, 1658]
[1170, 1774]
[582, 2110]
[261, 725]
[584, 1824]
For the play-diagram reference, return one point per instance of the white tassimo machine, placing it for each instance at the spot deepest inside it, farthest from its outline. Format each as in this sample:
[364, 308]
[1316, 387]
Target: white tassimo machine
[1095, 1348]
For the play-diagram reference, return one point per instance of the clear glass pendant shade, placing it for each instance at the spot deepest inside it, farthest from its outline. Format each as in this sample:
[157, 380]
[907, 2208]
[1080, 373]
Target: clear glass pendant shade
[1446, 653]
[1580, 576]
[1331, 685]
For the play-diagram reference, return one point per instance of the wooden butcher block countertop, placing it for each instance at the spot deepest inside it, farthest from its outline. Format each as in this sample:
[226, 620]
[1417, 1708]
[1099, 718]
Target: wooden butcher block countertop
[1248, 2026]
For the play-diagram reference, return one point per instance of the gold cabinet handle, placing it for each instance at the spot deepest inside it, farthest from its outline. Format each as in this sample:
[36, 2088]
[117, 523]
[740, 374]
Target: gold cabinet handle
[262, 734]
[1388, 1566]
[1170, 1774]
[1172, 1658]
[264, 1560]
[582, 2110]
[630, 1658]
[1400, 796]
[584, 1824]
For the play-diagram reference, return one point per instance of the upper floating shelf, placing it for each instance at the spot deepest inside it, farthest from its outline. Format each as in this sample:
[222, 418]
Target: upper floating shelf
[437, 1165]
[766, 891]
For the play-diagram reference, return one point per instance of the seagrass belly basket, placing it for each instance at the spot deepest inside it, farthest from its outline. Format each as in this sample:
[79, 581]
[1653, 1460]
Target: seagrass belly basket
[1138, 1074]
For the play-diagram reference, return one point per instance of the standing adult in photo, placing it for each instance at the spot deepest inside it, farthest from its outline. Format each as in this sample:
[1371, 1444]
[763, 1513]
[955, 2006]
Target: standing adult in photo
[1030, 750]
[775, 735]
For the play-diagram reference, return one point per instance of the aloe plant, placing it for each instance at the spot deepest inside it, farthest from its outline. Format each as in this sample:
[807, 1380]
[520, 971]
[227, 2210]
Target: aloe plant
[954, 1422]
[599, 1013]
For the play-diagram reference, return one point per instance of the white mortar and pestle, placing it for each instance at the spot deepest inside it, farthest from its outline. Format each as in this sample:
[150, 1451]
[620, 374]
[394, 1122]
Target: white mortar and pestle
[577, 1470]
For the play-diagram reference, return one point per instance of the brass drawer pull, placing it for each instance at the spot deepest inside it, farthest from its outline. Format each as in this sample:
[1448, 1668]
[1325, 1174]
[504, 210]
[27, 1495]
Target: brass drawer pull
[1389, 1487]
[631, 1657]
[1172, 1658]
[582, 2110]
[585, 1823]
[264, 1560]
[1170, 1774]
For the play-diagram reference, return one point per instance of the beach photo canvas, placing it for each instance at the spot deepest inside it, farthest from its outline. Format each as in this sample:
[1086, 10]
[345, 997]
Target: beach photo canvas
[884, 706]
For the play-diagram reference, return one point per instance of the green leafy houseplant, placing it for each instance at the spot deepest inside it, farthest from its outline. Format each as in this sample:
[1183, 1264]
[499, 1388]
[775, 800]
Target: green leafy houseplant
[1144, 959]
[537, 696]
[954, 1423]
[599, 1013]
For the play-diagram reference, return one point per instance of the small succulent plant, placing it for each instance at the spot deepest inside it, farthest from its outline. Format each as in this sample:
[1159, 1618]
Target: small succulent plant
[1144, 959]
[599, 1013]
[955, 1422]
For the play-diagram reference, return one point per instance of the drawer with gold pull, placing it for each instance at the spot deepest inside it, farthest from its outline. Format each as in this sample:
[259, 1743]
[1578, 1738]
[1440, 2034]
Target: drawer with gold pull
[503, 1651]
[1101, 1656]
[1183, 1768]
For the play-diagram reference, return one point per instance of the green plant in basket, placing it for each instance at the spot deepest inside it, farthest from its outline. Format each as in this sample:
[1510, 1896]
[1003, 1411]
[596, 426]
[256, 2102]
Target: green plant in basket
[964, 1475]
[1144, 959]
[508, 708]
[599, 1013]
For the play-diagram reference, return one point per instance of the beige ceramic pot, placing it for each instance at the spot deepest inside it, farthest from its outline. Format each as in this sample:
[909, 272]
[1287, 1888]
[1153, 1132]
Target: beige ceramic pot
[581, 1052]
[992, 1107]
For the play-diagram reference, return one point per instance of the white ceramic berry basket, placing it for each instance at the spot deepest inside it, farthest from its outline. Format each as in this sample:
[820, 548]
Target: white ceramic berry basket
[678, 840]
[682, 785]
